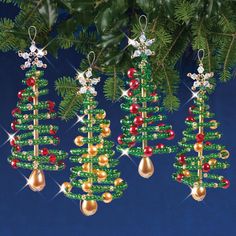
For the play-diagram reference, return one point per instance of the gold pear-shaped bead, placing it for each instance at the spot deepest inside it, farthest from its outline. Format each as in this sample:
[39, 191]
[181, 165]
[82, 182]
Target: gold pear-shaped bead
[146, 168]
[37, 180]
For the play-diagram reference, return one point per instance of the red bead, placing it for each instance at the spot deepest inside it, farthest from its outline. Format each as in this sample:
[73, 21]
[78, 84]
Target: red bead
[62, 163]
[133, 130]
[30, 99]
[147, 151]
[160, 146]
[179, 177]
[13, 142]
[119, 139]
[44, 152]
[182, 159]
[190, 110]
[226, 182]
[52, 159]
[171, 134]
[52, 131]
[15, 111]
[206, 167]
[138, 120]
[134, 108]
[134, 84]
[208, 143]
[30, 82]
[20, 94]
[17, 148]
[200, 138]
[154, 95]
[13, 125]
[161, 124]
[190, 118]
[51, 105]
[131, 144]
[130, 93]
[14, 163]
[131, 72]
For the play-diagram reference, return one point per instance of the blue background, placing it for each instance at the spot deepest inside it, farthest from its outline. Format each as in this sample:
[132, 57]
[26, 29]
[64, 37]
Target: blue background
[148, 207]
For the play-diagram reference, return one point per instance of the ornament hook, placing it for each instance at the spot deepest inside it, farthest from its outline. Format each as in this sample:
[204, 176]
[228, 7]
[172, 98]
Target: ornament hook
[91, 61]
[32, 32]
[200, 55]
[143, 28]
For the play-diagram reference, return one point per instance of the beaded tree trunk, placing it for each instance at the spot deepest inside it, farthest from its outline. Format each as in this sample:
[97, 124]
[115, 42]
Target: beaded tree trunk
[143, 124]
[193, 169]
[95, 179]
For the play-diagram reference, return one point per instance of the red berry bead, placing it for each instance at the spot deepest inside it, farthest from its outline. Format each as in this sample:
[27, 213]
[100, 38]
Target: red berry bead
[51, 105]
[130, 93]
[52, 131]
[30, 99]
[134, 108]
[131, 72]
[171, 134]
[161, 124]
[44, 152]
[190, 110]
[147, 151]
[13, 125]
[17, 148]
[133, 130]
[134, 84]
[160, 146]
[13, 142]
[132, 144]
[14, 163]
[179, 177]
[182, 159]
[20, 94]
[200, 138]
[15, 111]
[190, 118]
[206, 167]
[226, 182]
[119, 139]
[208, 143]
[30, 82]
[52, 159]
[138, 120]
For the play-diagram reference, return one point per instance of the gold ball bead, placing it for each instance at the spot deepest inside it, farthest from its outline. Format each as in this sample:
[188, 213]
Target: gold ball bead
[79, 141]
[66, 187]
[186, 173]
[214, 124]
[118, 181]
[224, 154]
[106, 131]
[85, 155]
[198, 147]
[107, 197]
[198, 193]
[104, 125]
[212, 162]
[92, 150]
[85, 167]
[101, 116]
[102, 160]
[102, 175]
[89, 208]
[86, 187]
[99, 145]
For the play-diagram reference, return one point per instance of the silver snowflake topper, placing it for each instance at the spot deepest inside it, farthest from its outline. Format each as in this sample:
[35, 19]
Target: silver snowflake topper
[34, 55]
[87, 82]
[142, 43]
[201, 80]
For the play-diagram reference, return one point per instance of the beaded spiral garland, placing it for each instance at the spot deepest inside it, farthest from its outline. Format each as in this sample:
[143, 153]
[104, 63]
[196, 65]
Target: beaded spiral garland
[194, 170]
[28, 118]
[144, 123]
[95, 176]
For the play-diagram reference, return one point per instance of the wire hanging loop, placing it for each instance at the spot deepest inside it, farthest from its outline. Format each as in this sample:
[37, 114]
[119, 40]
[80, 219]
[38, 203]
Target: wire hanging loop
[143, 28]
[32, 32]
[91, 58]
[200, 55]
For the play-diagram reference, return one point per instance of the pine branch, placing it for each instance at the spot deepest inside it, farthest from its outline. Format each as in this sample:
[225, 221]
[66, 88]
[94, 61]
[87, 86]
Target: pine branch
[66, 85]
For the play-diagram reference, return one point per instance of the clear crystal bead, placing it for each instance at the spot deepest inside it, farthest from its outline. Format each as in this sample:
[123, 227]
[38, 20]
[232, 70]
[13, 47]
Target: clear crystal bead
[25, 55]
[149, 42]
[142, 38]
[88, 73]
[137, 53]
[200, 69]
[134, 43]
[27, 64]
[40, 53]
[33, 48]
[39, 63]
[83, 90]
[148, 52]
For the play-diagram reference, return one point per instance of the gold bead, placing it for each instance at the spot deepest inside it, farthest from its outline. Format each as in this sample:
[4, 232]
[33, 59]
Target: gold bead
[198, 147]
[102, 175]
[212, 162]
[99, 145]
[186, 173]
[79, 141]
[85, 167]
[37, 180]
[102, 160]
[85, 155]
[101, 116]
[214, 124]
[198, 193]
[86, 187]
[146, 168]
[89, 208]
[66, 187]
[92, 150]
[105, 125]
[107, 197]
[118, 182]
[106, 131]
[224, 154]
